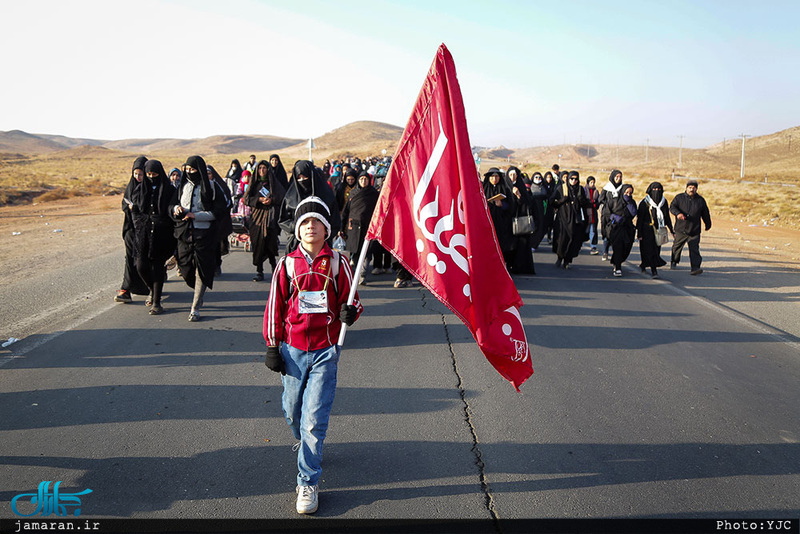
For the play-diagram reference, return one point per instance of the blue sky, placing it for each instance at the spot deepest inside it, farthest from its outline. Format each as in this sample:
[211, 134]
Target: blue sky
[532, 73]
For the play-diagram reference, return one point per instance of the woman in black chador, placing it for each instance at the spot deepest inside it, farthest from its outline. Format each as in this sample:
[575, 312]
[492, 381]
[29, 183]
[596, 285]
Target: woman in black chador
[550, 183]
[307, 181]
[570, 202]
[200, 203]
[233, 178]
[522, 262]
[224, 222]
[609, 194]
[539, 197]
[502, 207]
[621, 231]
[264, 196]
[356, 215]
[154, 241]
[652, 218]
[131, 281]
[277, 172]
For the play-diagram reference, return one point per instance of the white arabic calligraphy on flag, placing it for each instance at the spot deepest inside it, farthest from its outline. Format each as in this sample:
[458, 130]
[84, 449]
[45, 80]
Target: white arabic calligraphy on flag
[432, 216]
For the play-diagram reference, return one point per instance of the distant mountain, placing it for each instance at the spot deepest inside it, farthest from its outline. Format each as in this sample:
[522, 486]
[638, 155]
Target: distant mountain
[17, 141]
[359, 138]
[217, 144]
[775, 155]
[71, 142]
[25, 143]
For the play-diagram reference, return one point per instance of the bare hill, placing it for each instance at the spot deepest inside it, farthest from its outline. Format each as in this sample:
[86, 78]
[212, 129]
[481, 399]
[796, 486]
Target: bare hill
[217, 144]
[776, 156]
[17, 141]
[71, 142]
[359, 138]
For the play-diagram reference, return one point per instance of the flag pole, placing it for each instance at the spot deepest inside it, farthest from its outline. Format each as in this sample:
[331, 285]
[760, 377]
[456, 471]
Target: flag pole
[354, 285]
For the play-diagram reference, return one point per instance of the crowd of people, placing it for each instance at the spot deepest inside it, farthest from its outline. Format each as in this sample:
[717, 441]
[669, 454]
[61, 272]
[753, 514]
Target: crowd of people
[526, 210]
[184, 219]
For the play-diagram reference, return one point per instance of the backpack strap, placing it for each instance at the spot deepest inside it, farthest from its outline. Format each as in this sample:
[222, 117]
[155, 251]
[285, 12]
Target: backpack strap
[335, 270]
[288, 264]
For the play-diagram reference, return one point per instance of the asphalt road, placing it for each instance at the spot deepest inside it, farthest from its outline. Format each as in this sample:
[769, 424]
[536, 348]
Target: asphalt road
[674, 398]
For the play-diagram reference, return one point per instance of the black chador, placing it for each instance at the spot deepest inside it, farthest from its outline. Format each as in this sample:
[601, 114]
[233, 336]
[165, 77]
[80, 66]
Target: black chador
[522, 262]
[357, 214]
[502, 211]
[131, 281]
[652, 218]
[621, 230]
[197, 237]
[570, 202]
[154, 240]
[314, 184]
[264, 196]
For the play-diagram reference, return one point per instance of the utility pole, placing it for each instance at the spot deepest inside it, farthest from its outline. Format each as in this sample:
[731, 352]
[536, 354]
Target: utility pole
[680, 150]
[310, 144]
[741, 174]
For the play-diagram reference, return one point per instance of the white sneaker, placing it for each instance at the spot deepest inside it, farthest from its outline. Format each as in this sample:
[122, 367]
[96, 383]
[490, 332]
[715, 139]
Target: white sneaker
[307, 499]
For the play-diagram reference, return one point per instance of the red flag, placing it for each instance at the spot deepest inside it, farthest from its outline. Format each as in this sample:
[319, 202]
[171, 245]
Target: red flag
[432, 216]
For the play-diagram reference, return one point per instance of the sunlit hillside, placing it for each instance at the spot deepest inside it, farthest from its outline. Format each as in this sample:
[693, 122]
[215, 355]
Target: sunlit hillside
[48, 166]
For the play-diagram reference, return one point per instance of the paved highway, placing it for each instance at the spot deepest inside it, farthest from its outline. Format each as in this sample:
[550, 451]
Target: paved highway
[674, 398]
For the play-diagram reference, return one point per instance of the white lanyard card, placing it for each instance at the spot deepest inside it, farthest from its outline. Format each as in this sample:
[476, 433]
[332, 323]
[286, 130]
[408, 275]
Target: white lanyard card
[313, 301]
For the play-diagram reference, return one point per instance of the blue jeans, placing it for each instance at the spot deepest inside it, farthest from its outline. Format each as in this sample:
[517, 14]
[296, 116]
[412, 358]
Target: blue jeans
[309, 386]
[593, 234]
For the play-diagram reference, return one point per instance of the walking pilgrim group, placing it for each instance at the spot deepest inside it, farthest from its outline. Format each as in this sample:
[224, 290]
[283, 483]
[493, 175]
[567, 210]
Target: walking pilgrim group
[187, 215]
[184, 219]
[556, 207]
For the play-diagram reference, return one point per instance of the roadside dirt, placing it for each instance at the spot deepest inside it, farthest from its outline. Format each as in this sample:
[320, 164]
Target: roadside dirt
[42, 237]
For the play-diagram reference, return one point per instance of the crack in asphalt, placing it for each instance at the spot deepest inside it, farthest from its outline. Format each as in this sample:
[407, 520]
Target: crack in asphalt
[476, 450]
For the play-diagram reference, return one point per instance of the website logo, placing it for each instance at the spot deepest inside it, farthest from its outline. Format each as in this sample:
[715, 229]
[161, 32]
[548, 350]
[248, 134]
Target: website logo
[48, 503]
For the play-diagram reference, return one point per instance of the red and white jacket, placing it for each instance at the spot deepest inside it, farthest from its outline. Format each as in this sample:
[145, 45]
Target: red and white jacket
[307, 331]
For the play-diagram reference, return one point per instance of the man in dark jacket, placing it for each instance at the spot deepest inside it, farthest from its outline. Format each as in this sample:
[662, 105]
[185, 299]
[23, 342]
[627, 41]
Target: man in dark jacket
[689, 209]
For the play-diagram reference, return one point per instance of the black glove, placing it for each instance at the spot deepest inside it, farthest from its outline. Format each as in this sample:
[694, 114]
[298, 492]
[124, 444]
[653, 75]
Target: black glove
[274, 360]
[348, 314]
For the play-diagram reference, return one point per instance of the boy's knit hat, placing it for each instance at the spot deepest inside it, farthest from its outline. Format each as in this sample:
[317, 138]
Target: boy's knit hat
[311, 207]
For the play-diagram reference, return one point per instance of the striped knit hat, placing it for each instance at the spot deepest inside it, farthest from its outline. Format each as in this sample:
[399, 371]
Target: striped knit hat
[311, 207]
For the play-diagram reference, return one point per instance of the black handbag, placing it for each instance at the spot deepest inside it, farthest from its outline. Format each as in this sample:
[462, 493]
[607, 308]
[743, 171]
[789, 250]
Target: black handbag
[523, 225]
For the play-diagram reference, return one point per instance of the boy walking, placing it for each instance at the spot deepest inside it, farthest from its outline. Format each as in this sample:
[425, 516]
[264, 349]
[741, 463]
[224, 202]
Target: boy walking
[306, 308]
